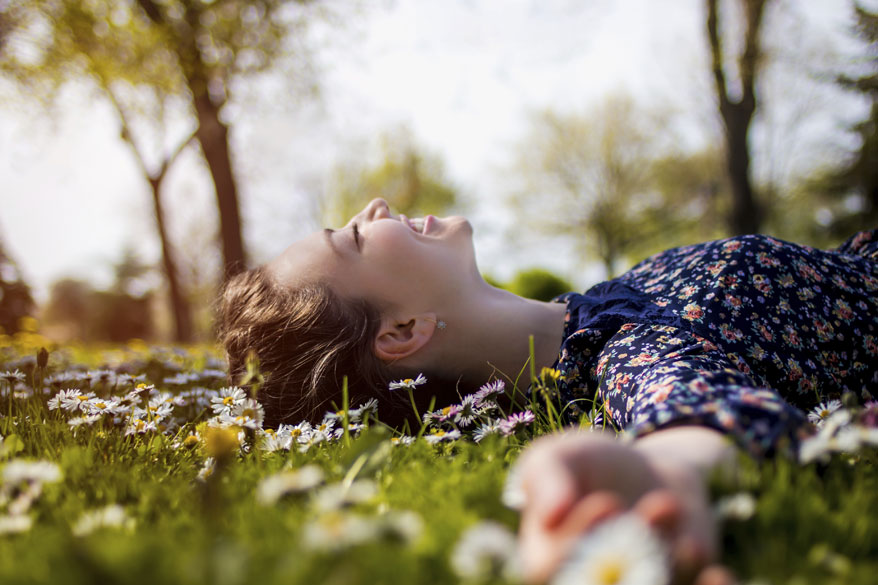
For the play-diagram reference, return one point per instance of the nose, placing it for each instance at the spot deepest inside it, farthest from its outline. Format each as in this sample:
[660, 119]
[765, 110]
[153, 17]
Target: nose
[377, 209]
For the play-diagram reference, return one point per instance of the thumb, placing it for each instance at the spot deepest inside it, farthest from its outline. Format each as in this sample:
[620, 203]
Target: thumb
[550, 490]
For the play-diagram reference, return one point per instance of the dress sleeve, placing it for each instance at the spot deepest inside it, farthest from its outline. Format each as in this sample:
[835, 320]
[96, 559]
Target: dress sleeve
[650, 377]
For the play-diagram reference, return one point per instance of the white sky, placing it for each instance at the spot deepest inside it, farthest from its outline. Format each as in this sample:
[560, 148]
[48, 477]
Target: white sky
[462, 74]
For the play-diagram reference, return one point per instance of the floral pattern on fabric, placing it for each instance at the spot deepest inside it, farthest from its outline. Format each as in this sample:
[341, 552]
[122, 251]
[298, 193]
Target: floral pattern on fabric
[740, 335]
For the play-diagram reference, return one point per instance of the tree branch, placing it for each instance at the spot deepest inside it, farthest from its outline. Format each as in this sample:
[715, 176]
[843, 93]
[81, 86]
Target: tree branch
[166, 164]
[748, 61]
[716, 53]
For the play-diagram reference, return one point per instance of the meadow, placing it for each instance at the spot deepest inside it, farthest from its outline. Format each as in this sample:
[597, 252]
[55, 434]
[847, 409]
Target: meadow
[140, 464]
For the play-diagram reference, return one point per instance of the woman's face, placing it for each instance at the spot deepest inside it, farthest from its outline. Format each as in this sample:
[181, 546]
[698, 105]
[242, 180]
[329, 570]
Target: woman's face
[385, 259]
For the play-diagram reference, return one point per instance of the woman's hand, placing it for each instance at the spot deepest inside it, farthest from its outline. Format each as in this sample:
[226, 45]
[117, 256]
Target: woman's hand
[572, 482]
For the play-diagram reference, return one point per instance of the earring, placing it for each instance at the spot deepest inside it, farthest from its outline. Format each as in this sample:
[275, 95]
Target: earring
[440, 324]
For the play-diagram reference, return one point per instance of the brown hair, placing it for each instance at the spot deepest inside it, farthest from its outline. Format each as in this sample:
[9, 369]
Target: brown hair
[306, 339]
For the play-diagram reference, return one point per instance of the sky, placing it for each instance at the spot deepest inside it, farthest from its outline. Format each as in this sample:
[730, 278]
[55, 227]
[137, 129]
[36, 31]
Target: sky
[462, 75]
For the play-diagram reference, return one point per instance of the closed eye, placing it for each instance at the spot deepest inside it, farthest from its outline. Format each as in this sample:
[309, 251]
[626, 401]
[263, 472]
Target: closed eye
[357, 236]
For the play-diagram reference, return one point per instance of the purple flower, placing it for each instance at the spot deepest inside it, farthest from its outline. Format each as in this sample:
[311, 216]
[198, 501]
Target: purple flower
[489, 389]
[516, 421]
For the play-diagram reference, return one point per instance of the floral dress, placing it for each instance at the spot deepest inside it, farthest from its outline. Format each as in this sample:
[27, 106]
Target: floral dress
[740, 335]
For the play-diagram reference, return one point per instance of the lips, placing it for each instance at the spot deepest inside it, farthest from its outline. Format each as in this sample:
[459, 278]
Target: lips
[420, 225]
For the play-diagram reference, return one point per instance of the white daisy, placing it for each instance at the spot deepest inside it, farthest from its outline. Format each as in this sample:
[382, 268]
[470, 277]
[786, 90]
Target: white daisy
[20, 471]
[622, 551]
[439, 435]
[76, 401]
[248, 413]
[13, 376]
[61, 398]
[492, 427]
[408, 383]
[274, 487]
[819, 415]
[468, 412]
[485, 552]
[112, 516]
[227, 400]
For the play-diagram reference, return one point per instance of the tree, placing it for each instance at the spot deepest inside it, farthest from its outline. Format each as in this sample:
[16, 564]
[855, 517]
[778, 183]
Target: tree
[412, 181]
[737, 111]
[188, 49]
[850, 191]
[590, 177]
[15, 297]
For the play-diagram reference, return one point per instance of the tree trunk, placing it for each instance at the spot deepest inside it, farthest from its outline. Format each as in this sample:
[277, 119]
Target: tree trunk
[213, 136]
[746, 214]
[179, 304]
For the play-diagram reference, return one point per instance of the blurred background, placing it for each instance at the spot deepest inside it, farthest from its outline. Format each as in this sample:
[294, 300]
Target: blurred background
[151, 148]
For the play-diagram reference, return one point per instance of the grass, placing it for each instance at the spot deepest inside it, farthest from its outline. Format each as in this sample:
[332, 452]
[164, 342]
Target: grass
[384, 512]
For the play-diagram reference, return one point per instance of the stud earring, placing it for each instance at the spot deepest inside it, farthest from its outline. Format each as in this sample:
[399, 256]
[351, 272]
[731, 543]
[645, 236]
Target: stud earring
[440, 324]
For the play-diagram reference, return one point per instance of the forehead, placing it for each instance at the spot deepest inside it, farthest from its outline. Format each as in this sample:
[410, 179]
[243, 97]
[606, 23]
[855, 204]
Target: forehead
[310, 259]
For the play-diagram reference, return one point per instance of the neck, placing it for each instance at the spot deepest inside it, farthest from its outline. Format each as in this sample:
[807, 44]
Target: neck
[491, 336]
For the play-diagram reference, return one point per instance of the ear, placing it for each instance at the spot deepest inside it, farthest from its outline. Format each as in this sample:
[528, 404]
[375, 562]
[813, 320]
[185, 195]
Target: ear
[398, 338]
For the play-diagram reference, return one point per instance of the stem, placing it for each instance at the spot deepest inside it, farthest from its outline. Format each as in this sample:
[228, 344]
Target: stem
[414, 407]
[345, 404]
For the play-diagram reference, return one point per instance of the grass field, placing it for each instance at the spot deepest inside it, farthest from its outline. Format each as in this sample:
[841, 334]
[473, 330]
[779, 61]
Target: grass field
[138, 464]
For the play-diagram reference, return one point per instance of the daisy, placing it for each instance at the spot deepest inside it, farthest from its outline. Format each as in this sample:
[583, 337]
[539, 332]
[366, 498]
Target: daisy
[492, 427]
[89, 419]
[274, 487]
[227, 400]
[408, 383]
[438, 435]
[819, 415]
[207, 469]
[138, 426]
[621, 551]
[101, 406]
[490, 389]
[298, 433]
[516, 421]
[468, 412]
[339, 495]
[367, 409]
[112, 516]
[76, 401]
[19, 471]
[249, 413]
[61, 398]
[402, 440]
[13, 376]
[485, 552]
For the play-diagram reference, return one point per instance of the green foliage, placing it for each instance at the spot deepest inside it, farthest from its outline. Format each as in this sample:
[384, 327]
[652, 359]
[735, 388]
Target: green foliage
[539, 284]
[179, 525]
[164, 46]
[611, 180]
[838, 200]
[411, 179]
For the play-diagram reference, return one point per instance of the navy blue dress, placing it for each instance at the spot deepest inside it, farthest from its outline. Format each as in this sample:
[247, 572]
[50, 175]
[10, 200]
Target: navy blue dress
[741, 335]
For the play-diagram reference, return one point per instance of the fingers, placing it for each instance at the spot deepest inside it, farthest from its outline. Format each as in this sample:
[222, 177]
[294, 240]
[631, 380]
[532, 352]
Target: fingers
[690, 548]
[715, 575]
[544, 549]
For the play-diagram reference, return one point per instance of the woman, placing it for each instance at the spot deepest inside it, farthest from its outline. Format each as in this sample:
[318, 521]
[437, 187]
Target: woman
[691, 346]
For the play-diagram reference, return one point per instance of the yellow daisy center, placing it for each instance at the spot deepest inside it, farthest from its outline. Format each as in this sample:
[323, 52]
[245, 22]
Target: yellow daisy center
[610, 572]
[228, 400]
